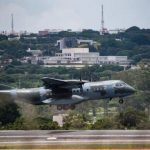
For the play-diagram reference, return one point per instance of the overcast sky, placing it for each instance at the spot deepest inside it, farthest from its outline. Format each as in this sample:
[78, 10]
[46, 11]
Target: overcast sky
[35, 15]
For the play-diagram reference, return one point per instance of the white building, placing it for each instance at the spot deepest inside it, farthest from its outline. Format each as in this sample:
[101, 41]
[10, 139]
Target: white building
[36, 58]
[59, 119]
[17, 38]
[91, 42]
[82, 56]
[116, 31]
[35, 53]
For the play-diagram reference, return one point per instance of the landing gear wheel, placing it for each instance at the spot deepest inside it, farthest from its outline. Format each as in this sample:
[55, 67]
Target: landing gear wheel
[65, 107]
[59, 107]
[72, 107]
[121, 101]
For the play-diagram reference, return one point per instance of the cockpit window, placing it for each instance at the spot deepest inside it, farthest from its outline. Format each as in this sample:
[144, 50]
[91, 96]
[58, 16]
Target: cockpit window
[120, 84]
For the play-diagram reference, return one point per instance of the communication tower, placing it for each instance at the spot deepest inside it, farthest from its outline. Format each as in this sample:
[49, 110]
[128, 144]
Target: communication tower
[12, 23]
[102, 20]
[103, 30]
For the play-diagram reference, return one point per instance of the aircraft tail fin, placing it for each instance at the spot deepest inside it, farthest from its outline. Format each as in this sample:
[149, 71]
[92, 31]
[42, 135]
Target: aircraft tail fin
[5, 87]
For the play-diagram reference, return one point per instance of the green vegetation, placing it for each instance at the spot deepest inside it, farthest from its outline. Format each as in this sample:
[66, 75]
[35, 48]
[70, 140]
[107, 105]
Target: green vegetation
[8, 113]
[134, 43]
[74, 121]
[135, 112]
[81, 146]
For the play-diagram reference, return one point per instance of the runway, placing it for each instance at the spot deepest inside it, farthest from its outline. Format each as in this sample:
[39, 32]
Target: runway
[38, 137]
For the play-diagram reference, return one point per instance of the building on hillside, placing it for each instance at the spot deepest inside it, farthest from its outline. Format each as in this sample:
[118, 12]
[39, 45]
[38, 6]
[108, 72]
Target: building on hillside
[71, 42]
[67, 42]
[29, 37]
[49, 32]
[82, 56]
[35, 53]
[15, 38]
[116, 31]
[36, 57]
[90, 42]
[44, 32]
[75, 57]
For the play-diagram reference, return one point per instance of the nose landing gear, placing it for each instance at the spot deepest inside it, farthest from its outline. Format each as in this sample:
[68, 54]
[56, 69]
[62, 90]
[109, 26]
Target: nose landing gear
[121, 101]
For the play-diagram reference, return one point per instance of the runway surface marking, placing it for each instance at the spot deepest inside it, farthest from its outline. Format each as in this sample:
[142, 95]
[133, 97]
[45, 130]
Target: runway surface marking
[51, 138]
[87, 137]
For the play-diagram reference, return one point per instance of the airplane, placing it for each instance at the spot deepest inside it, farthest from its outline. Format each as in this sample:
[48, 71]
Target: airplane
[67, 93]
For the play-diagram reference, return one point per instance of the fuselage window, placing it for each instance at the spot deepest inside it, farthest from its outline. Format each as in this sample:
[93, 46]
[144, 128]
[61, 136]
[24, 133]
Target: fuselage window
[96, 89]
[76, 91]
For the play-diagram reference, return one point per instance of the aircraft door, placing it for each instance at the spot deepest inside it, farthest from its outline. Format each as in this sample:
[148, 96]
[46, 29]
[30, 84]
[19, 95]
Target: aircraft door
[109, 91]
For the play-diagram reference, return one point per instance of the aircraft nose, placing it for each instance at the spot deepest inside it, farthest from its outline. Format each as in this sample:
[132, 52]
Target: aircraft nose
[131, 89]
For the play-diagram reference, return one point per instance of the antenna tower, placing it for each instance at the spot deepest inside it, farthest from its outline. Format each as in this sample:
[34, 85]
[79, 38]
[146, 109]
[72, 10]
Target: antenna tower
[102, 21]
[12, 23]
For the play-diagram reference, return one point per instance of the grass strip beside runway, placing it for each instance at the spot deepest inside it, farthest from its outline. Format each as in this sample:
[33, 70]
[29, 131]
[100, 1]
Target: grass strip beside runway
[79, 147]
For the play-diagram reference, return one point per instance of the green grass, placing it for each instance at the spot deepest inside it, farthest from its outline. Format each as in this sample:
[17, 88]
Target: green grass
[92, 146]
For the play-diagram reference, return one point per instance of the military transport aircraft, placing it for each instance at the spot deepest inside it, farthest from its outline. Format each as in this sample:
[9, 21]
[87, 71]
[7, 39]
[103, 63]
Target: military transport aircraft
[67, 93]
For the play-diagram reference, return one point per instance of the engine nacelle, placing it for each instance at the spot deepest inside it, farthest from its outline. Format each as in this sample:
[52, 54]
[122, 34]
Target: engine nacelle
[45, 94]
[34, 96]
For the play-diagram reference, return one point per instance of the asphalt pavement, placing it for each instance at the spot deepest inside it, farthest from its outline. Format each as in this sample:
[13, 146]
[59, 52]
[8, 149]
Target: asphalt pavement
[77, 137]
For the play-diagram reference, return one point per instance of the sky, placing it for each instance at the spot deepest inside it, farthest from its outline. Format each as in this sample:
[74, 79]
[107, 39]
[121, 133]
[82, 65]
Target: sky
[35, 15]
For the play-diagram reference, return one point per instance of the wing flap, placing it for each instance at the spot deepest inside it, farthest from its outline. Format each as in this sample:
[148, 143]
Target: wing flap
[52, 83]
[57, 83]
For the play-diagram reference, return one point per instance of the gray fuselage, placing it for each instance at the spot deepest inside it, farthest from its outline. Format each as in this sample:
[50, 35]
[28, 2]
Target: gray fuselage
[88, 91]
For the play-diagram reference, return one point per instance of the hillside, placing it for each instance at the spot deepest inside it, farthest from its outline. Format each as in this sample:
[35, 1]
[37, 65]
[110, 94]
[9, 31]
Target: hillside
[134, 43]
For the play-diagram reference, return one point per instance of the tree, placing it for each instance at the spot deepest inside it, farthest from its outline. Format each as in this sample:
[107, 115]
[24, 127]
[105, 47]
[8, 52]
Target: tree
[46, 124]
[133, 29]
[74, 121]
[131, 118]
[104, 123]
[8, 112]
[3, 37]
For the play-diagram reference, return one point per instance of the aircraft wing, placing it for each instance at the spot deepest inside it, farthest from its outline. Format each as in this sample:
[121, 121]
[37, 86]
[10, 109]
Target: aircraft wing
[76, 99]
[57, 83]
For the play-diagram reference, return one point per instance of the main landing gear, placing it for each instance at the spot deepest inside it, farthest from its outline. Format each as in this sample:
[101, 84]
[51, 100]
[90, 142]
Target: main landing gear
[65, 107]
[121, 101]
